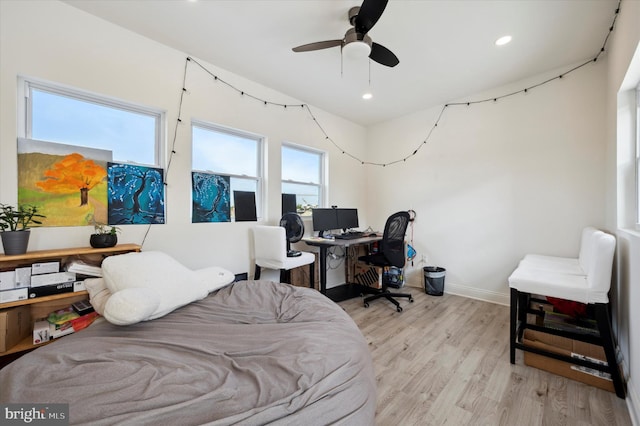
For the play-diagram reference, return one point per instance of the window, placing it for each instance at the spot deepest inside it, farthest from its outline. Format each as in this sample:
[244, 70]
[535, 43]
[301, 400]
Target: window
[303, 175]
[69, 116]
[222, 151]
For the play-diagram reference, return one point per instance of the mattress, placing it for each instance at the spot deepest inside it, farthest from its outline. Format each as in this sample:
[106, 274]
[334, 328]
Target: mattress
[252, 353]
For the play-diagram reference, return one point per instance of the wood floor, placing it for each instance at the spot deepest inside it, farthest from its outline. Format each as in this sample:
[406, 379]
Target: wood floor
[445, 361]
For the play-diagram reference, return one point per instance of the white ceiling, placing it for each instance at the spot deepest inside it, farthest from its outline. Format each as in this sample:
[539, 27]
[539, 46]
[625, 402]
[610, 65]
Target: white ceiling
[446, 47]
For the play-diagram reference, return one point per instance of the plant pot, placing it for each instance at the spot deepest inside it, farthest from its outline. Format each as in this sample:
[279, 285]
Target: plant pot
[15, 242]
[103, 240]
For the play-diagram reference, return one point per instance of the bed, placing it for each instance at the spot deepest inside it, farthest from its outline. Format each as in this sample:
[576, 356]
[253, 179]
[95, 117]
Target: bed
[251, 353]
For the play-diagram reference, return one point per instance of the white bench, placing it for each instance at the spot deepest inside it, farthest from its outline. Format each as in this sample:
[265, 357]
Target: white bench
[585, 279]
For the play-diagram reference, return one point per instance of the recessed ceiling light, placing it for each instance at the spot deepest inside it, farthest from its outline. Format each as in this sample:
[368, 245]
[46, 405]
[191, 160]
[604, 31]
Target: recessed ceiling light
[503, 40]
[367, 96]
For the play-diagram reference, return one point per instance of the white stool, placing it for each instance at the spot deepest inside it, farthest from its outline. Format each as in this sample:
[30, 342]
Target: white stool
[586, 279]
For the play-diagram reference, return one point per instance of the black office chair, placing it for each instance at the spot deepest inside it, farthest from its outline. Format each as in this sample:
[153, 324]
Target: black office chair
[390, 253]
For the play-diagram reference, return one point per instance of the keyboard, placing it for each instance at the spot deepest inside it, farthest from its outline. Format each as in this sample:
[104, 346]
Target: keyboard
[349, 235]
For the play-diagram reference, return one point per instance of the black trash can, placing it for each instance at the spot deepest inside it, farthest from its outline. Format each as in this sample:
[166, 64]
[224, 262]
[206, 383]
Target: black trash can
[434, 280]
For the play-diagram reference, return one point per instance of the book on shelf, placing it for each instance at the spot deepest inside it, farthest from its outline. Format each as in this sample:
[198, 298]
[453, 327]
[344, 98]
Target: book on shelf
[49, 290]
[66, 321]
[83, 268]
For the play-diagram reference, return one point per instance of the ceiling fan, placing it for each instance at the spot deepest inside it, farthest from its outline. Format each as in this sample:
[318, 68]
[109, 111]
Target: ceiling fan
[362, 19]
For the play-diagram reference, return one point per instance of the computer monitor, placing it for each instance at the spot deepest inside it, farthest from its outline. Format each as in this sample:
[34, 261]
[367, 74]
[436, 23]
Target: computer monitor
[347, 218]
[324, 220]
[245, 206]
[289, 204]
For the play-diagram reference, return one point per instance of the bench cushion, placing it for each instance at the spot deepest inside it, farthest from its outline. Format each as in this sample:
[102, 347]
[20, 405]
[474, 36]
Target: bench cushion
[554, 284]
[586, 279]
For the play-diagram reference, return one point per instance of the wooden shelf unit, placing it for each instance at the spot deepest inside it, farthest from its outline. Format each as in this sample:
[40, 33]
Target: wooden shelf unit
[40, 307]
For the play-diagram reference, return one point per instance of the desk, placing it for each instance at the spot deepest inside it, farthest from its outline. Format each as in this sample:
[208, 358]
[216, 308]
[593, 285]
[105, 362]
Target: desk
[324, 244]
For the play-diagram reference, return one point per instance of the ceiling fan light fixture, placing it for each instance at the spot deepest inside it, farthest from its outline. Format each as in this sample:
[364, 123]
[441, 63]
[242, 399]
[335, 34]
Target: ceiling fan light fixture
[357, 50]
[503, 40]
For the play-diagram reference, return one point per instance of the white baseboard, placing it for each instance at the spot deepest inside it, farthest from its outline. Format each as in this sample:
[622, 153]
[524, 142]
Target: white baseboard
[473, 293]
[633, 404]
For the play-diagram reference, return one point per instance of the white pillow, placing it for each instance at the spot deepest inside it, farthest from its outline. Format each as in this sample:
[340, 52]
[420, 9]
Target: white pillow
[98, 293]
[173, 284]
[131, 306]
[215, 277]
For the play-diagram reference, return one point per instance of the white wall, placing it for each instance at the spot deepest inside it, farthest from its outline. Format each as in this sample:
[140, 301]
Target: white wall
[53, 41]
[623, 76]
[497, 180]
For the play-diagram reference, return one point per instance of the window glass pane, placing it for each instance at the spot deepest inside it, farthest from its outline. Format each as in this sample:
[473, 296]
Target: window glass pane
[307, 196]
[224, 153]
[300, 165]
[129, 135]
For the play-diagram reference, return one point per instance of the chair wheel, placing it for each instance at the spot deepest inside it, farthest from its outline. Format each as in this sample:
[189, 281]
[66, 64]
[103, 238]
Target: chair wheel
[411, 299]
[366, 305]
[399, 309]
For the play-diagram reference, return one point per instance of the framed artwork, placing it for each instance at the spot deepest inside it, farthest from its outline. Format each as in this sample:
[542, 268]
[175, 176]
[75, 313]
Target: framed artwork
[210, 198]
[136, 194]
[68, 183]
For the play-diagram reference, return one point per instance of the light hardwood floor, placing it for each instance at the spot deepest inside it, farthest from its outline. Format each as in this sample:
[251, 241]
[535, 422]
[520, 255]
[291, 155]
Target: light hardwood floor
[445, 361]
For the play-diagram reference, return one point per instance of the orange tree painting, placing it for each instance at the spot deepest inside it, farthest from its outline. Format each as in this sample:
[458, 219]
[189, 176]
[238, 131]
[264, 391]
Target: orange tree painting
[72, 175]
[71, 189]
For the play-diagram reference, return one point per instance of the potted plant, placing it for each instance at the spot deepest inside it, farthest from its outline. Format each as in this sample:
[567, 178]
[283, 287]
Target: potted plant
[15, 224]
[104, 235]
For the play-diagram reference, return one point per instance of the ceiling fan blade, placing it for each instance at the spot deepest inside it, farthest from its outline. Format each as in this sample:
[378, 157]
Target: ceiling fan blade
[317, 45]
[383, 56]
[369, 13]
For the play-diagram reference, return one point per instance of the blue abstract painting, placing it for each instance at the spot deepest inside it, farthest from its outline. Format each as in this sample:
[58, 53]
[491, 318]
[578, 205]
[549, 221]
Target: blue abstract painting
[136, 194]
[211, 196]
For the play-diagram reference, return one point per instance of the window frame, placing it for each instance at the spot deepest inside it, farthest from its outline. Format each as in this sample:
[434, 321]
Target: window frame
[25, 115]
[637, 159]
[260, 159]
[322, 185]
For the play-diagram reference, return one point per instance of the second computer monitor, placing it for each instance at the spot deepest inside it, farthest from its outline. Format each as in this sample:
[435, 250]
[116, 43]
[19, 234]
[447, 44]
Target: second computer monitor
[347, 218]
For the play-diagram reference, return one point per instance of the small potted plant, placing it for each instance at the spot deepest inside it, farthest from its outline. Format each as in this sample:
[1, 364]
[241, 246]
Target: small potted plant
[15, 224]
[104, 235]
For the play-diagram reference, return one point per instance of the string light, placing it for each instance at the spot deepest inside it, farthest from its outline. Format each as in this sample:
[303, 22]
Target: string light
[305, 106]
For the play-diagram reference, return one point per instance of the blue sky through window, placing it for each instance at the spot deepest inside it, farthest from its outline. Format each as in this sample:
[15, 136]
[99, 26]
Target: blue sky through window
[129, 135]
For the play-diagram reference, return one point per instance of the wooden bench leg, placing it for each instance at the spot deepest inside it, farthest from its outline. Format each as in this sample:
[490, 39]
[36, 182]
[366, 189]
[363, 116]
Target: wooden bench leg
[256, 274]
[285, 276]
[606, 334]
[312, 283]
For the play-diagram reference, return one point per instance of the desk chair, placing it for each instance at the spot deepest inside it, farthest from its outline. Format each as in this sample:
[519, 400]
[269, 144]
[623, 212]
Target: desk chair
[270, 245]
[391, 253]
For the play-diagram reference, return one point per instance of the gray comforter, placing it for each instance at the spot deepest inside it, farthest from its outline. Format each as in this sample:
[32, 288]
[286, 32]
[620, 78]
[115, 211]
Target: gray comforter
[253, 353]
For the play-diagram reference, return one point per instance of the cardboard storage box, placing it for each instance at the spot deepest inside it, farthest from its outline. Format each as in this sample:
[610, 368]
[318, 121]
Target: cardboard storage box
[300, 276]
[569, 347]
[7, 296]
[367, 275]
[52, 279]
[15, 325]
